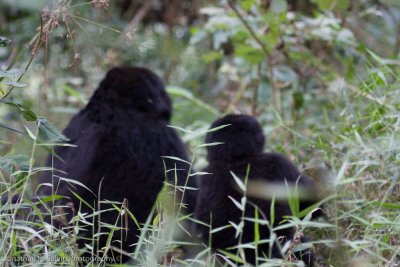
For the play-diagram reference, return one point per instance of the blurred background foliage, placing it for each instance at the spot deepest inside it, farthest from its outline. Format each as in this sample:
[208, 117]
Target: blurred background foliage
[321, 76]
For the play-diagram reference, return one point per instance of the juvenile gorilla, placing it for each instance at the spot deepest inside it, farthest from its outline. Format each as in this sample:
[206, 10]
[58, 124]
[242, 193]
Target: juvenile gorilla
[121, 137]
[242, 146]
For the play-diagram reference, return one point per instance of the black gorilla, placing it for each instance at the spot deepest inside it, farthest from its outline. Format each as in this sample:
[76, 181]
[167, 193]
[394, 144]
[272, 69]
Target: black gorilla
[242, 148]
[121, 137]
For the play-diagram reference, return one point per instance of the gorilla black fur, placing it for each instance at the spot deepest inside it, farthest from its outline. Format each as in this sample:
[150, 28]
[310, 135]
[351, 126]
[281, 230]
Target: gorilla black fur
[243, 143]
[121, 137]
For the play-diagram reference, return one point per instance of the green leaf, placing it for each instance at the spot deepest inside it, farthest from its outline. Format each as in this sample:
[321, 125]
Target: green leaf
[256, 227]
[12, 162]
[29, 230]
[72, 92]
[382, 77]
[230, 256]
[211, 56]
[178, 91]
[323, 4]
[133, 217]
[387, 205]
[298, 100]
[51, 198]
[239, 182]
[278, 6]
[286, 76]
[27, 114]
[156, 220]
[342, 4]
[13, 73]
[217, 128]
[247, 4]
[15, 84]
[176, 159]
[237, 204]
[332, 4]
[31, 135]
[272, 211]
[4, 41]
[47, 132]
[210, 144]
[240, 36]
[249, 53]
[199, 174]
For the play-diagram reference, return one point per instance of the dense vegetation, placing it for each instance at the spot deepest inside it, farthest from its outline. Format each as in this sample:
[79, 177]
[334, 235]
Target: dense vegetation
[320, 75]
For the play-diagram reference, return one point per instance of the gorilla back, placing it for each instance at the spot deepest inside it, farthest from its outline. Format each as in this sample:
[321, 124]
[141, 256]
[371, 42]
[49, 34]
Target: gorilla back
[121, 137]
[241, 152]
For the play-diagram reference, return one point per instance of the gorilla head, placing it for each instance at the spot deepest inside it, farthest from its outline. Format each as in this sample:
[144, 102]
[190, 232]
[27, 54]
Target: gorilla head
[241, 138]
[136, 88]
